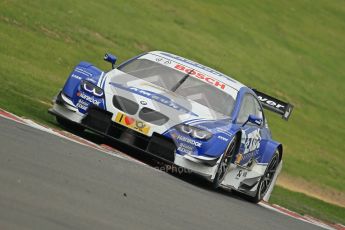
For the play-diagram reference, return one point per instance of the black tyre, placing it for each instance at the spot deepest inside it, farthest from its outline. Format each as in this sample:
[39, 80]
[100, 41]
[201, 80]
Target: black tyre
[266, 179]
[69, 125]
[225, 163]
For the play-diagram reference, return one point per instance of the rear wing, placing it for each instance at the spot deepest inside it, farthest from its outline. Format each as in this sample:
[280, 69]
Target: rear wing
[274, 105]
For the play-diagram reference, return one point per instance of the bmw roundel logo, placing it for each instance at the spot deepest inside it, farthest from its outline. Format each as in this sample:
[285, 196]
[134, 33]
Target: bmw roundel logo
[140, 124]
[143, 102]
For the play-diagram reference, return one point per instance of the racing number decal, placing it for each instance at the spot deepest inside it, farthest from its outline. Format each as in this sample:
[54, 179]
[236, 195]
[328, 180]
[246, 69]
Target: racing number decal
[252, 141]
[250, 144]
[132, 123]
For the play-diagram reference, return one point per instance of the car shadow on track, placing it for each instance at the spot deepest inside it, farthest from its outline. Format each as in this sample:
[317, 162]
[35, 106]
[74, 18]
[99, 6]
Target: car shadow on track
[184, 175]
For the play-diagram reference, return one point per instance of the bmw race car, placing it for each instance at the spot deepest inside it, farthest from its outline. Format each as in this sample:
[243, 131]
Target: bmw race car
[181, 112]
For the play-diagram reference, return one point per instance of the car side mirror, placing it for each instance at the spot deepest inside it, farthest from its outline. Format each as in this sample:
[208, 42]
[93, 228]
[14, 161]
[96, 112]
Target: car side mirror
[254, 120]
[110, 58]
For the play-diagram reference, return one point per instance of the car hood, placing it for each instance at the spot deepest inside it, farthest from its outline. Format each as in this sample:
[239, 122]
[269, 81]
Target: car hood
[176, 108]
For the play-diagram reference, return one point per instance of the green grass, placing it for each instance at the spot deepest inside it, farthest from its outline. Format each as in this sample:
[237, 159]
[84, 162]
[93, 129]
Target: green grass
[294, 50]
[306, 205]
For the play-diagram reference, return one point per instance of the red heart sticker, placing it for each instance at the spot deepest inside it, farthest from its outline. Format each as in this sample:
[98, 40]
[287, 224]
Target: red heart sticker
[129, 120]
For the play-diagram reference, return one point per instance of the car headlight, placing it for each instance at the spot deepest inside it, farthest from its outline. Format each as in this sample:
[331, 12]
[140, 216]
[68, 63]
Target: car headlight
[194, 132]
[91, 88]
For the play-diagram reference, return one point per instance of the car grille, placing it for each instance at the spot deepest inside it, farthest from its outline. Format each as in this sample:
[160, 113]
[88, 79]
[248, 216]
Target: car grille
[153, 116]
[125, 105]
[100, 120]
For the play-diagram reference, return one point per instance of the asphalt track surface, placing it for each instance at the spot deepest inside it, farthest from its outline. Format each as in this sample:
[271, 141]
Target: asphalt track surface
[47, 182]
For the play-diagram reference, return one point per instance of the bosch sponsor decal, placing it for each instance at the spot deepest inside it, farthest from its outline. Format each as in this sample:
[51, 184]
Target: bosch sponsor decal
[189, 140]
[200, 76]
[205, 68]
[193, 73]
[212, 80]
[90, 99]
[154, 96]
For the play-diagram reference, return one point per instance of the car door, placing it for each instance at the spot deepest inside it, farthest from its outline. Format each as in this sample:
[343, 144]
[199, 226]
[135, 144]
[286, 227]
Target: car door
[251, 133]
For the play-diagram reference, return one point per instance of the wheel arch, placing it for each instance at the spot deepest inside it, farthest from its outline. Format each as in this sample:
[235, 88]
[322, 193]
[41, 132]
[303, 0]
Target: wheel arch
[268, 148]
[280, 149]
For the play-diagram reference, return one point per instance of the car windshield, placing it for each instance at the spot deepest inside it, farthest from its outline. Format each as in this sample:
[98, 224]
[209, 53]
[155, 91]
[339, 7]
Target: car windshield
[192, 88]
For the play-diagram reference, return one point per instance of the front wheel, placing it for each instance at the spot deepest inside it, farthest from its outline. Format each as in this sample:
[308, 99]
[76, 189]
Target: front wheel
[266, 179]
[225, 163]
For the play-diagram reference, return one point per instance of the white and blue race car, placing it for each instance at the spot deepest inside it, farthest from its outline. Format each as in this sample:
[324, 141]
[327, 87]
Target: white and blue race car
[181, 112]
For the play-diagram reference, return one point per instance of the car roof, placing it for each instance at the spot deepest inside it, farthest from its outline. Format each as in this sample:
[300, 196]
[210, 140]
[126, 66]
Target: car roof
[201, 68]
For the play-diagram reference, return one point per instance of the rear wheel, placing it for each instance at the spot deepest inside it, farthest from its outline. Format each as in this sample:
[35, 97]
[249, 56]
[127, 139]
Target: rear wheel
[225, 163]
[266, 179]
[72, 126]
